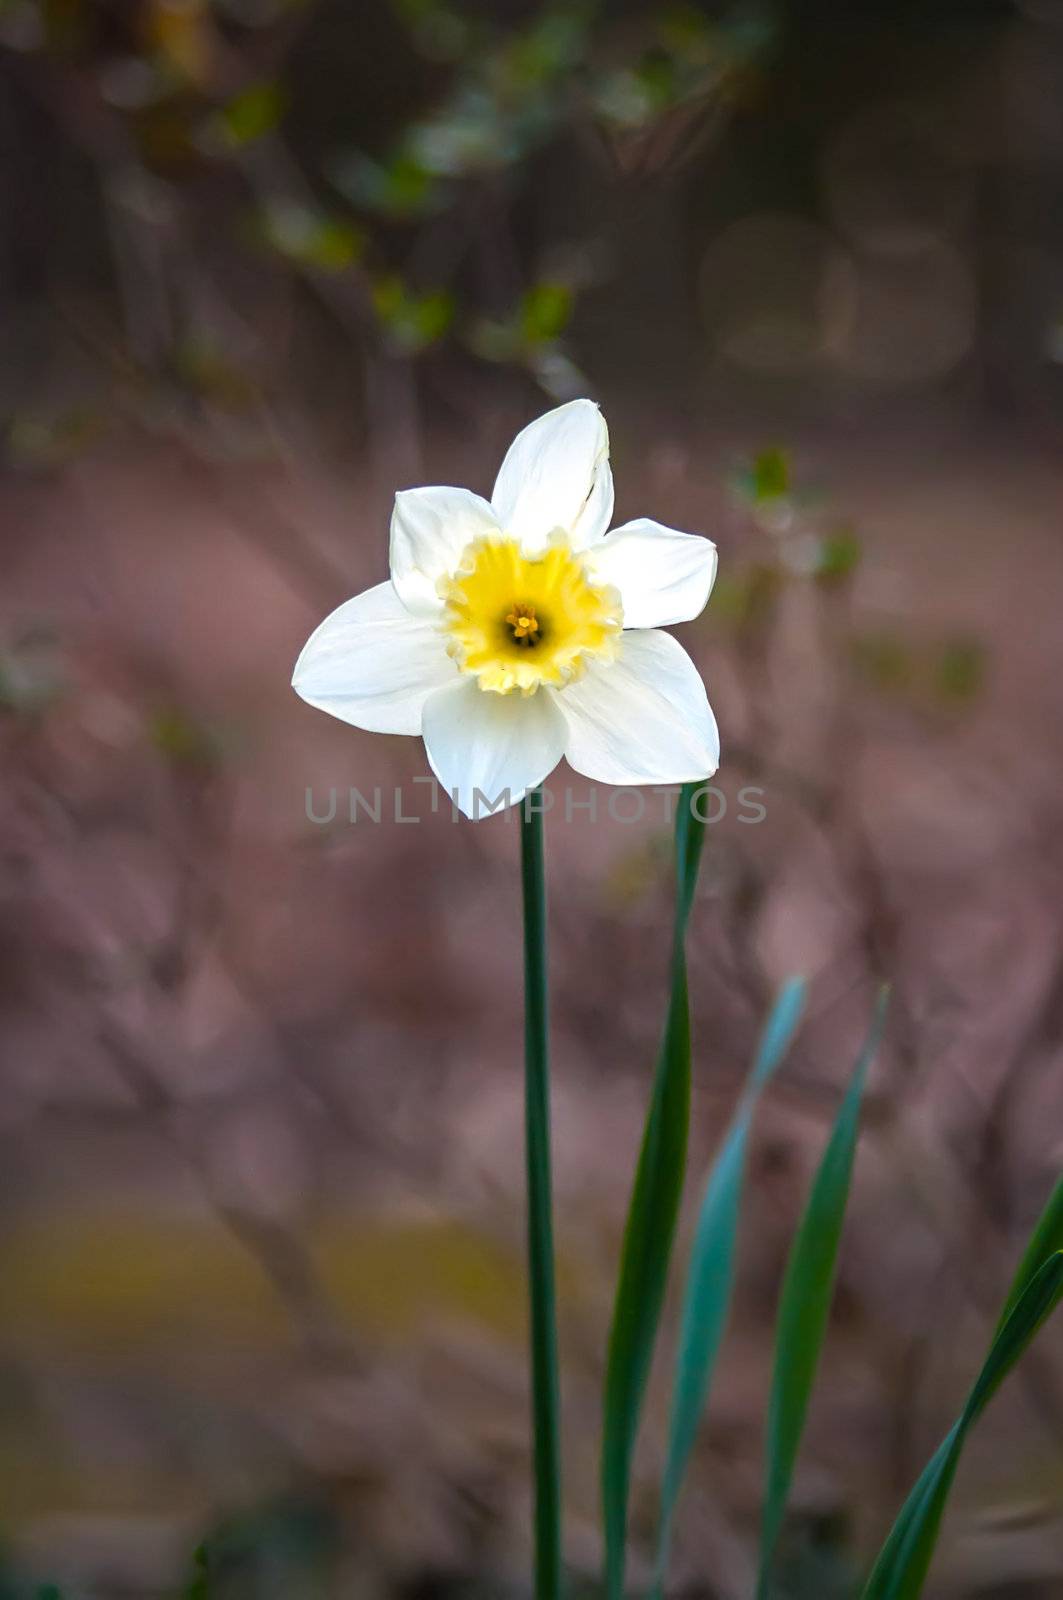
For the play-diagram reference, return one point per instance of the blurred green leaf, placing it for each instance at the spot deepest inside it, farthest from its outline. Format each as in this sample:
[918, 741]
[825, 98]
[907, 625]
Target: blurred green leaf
[693, 61]
[37, 442]
[467, 136]
[638, 871]
[804, 1304]
[687, 32]
[770, 474]
[710, 1277]
[311, 238]
[884, 660]
[252, 114]
[903, 1563]
[747, 598]
[650, 1230]
[198, 1586]
[413, 321]
[207, 369]
[401, 187]
[924, 673]
[545, 311]
[960, 669]
[183, 741]
[284, 1548]
[625, 99]
[839, 555]
[492, 340]
[551, 45]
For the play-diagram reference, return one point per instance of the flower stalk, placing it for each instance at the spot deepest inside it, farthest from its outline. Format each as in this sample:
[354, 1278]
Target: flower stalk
[542, 1292]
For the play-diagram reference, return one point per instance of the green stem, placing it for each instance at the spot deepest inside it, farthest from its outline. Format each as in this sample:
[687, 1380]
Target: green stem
[545, 1400]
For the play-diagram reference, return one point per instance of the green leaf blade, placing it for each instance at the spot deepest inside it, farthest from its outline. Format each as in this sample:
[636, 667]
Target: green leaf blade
[651, 1221]
[710, 1278]
[804, 1304]
[904, 1561]
[1046, 1239]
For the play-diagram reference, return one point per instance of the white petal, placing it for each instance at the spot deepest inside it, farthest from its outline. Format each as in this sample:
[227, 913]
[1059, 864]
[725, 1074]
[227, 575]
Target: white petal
[663, 576]
[372, 664]
[642, 718]
[429, 530]
[498, 744]
[556, 474]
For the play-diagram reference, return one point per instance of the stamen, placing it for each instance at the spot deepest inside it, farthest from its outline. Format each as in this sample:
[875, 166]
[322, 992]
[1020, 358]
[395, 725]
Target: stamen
[525, 624]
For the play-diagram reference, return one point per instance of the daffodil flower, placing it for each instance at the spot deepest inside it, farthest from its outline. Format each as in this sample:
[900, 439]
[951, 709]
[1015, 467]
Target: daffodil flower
[515, 632]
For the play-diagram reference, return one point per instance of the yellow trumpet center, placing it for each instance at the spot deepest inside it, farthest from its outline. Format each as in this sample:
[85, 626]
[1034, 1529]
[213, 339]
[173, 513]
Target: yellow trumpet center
[517, 621]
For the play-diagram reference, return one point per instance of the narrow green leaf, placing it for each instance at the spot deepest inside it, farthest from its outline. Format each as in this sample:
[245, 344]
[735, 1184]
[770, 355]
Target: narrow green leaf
[710, 1278]
[903, 1563]
[650, 1229]
[804, 1304]
[199, 1586]
[1046, 1239]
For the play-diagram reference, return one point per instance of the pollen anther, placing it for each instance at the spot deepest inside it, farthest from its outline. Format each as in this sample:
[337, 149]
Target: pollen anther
[525, 624]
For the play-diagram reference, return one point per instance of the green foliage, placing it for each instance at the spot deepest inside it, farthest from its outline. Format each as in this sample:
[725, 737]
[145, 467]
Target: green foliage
[710, 1277]
[839, 555]
[202, 363]
[951, 674]
[804, 1304]
[902, 1566]
[767, 478]
[960, 669]
[531, 331]
[793, 514]
[38, 442]
[252, 114]
[311, 238]
[198, 1586]
[401, 187]
[884, 660]
[182, 740]
[650, 1230]
[691, 58]
[746, 598]
[413, 321]
[284, 1548]
[1045, 1241]
[545, 311]
[505, 102]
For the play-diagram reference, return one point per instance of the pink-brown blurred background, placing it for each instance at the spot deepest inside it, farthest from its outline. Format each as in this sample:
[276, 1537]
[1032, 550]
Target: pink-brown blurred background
[262, 262]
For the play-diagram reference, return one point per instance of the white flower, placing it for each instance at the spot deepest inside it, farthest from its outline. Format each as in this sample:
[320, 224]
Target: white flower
[517, 632]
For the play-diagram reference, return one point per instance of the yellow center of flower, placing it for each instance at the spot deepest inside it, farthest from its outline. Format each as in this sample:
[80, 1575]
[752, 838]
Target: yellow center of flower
[516, 622]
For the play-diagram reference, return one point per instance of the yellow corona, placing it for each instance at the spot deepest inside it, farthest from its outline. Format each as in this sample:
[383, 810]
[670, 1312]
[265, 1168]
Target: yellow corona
[515, 622]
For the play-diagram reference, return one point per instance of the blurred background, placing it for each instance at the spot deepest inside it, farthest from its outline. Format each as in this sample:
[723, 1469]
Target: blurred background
[261, 263]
